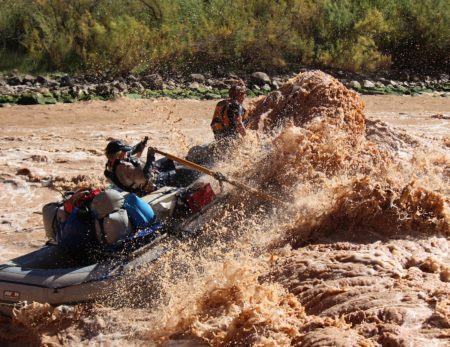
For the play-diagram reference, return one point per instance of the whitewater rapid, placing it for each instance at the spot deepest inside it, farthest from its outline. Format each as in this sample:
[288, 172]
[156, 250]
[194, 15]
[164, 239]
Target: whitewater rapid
[358, 257]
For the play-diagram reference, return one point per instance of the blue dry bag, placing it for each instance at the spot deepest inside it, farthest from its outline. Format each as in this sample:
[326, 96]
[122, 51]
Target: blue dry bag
[139, 212]
[78, 233]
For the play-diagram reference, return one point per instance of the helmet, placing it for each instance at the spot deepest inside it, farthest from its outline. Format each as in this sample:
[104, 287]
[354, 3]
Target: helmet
[237, 90]
[116, 146]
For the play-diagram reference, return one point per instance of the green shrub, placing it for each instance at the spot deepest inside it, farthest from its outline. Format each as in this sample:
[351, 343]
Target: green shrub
[119, 45]
[223, 35]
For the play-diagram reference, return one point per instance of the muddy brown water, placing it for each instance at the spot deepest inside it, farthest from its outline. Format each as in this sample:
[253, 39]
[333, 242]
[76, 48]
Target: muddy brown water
[342, 290]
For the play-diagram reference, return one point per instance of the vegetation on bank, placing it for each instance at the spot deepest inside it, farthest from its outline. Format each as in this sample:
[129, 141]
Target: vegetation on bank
[120, 36]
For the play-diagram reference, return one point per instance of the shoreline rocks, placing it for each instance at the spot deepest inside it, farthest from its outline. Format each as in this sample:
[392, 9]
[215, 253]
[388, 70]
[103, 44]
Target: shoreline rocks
[54, 88]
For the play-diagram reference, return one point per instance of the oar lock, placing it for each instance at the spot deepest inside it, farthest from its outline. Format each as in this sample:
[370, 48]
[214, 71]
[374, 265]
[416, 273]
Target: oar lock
[218, 176]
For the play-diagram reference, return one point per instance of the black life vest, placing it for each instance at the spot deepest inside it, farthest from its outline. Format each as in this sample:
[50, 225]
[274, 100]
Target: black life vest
[111, 174]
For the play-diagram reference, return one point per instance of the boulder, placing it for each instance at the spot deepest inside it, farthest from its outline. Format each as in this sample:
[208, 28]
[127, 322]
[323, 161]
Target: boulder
[44, 91]
[90, 90]
[275, 84]
[21, 89]
[14, 80]
[41, 80]
[354, 85]
[53, 84]
[260, 78]
[6, 90]
[266, 88]
[76, 92]
[121, 86]
[278, 81]
[443, 78]
[170, 85]
[103, 89]
[28, 79]
[153, 81]
[233, 81]
[209, 82]
[196, 77]
[131, 78]
[194, 85]
[91, 78]
[66, 81]
[220, 85]
[368, 84]
[137, 86]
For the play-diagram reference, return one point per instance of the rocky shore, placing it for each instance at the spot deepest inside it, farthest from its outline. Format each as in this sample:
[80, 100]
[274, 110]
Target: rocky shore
[21, 89]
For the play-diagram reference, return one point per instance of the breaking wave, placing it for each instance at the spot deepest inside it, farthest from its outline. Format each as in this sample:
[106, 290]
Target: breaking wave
[358, 255]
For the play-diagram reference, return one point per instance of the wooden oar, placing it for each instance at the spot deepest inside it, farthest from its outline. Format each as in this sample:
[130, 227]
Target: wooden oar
[219, 176]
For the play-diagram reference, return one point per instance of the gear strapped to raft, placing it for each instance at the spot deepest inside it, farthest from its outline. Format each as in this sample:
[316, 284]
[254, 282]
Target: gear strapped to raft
[220, 177]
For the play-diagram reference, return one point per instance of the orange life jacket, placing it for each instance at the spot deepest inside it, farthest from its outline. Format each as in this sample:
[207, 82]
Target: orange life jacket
[221, 121]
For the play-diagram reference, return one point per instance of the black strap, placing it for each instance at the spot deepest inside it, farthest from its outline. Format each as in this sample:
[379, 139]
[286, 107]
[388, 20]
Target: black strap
[112, 176]
[129, 159]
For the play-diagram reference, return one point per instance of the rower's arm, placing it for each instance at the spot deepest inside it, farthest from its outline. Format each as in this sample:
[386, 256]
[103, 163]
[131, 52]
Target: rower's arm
[240, 126]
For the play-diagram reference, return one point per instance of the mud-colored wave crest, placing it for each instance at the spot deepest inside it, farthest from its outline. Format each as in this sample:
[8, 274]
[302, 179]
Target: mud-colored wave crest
[358, 255]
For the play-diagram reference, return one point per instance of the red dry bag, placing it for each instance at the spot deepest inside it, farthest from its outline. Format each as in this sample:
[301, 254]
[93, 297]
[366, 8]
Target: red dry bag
[200, 198]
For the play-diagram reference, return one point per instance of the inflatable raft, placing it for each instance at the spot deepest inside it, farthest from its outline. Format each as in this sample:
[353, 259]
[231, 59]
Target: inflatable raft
[50, 275]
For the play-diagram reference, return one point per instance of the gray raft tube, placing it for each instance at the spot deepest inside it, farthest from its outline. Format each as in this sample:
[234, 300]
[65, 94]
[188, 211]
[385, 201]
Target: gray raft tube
[48, 275]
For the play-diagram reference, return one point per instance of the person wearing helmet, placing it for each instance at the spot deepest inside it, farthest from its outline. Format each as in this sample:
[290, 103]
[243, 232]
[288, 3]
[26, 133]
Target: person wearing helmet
[230, 115]
[126, 171]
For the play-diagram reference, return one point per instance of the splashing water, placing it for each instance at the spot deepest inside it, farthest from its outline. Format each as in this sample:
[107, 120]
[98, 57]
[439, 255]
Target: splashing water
[359, 257]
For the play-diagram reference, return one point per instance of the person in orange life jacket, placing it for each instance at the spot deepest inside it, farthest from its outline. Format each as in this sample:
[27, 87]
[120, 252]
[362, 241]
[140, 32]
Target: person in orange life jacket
[126, 171]
[230, 115]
